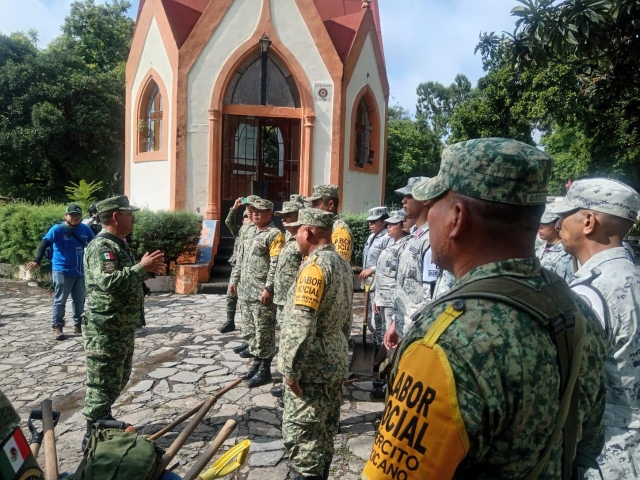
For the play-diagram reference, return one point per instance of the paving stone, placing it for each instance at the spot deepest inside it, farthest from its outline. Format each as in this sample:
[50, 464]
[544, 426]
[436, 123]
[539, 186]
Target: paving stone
[163, 372]
[142, 386]
[361, 446]
[199, 361]
[265, 445]
[186, 377]
[266, 459]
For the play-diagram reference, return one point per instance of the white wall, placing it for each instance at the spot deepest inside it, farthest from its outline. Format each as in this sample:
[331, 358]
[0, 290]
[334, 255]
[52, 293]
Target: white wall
[362, 191]
[294, 33]
[150, 182]
[236, 27]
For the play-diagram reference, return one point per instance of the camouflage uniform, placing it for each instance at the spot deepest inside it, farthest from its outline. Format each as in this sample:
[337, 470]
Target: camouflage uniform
[553, 257]
[610, 283]
[341, 236]
[253, 273]
[314, 352]
[115, 309]
[505, 377]
[374, 245]
[443, 284]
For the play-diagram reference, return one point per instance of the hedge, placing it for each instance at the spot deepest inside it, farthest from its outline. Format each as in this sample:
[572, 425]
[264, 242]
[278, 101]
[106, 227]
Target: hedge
[358, 224]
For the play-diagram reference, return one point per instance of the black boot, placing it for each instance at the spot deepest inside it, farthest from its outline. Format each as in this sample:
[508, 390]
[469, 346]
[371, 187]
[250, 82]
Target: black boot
[281, 403]
[379, 389]
[312, 477]
[230, 324]
[327, 468]
[263, 376]
[277, 391]
[85, 439]
[253, 370]
[240, 348]
[246, 353]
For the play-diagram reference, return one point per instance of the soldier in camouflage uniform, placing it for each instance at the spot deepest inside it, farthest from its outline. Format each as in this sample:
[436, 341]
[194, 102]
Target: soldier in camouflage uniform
[252, 278]
[16, 459]
[239, 232]
[326, 197]
[481, 373]
[375, 244]
[595, 216]
[417, 274]
[551, 252]
[314, 354]
[115, 307]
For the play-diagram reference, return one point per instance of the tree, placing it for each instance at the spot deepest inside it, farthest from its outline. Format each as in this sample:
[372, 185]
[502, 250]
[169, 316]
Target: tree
[413, 150]
[436, 103]
[62, 119]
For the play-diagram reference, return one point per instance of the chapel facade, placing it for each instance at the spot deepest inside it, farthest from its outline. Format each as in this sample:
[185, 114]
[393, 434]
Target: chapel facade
[227, 98]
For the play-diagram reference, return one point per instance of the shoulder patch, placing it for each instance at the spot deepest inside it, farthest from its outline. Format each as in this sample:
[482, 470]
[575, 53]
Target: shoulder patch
[107, 256]
[342, 241]
[309, 287]
[276, 245]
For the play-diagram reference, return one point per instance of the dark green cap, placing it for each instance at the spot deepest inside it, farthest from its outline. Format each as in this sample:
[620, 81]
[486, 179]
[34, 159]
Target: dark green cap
[73, 208]
[121, 203]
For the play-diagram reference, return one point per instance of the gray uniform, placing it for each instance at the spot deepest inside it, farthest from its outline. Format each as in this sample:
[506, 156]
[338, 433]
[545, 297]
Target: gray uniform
[373, 247]
[610, 283]
[554, 258]
[385, 280]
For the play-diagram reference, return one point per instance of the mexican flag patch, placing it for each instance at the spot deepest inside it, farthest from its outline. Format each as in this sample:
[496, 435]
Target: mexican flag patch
[108, 256]
[13, 454]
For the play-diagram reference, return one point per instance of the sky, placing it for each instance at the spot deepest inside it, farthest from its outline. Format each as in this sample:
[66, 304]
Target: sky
[424, 40]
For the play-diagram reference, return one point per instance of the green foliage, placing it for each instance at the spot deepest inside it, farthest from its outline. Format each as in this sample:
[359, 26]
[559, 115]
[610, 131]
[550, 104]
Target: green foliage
[171, 232]
[62, 115]
[22, 227]
[436, 103]
[413, 150]
[82, 193]
[358, 224]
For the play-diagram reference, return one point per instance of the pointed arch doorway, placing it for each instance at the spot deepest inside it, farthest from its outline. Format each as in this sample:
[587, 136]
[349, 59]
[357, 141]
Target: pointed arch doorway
[261, 131]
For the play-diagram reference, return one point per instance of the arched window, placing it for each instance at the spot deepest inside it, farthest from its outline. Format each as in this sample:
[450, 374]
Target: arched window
[150, 122]
[363, 151]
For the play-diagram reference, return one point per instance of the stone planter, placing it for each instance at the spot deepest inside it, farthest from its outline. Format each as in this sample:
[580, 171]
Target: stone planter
[162, 283]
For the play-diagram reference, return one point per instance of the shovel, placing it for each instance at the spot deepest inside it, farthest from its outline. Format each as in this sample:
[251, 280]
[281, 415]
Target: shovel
[36, 435]
[362, 358]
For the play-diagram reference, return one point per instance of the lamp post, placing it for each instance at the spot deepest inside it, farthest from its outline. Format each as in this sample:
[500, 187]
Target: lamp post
[265, 43]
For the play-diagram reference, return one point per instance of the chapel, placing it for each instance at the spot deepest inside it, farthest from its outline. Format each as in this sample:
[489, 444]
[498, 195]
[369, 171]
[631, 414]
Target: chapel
[227, 98]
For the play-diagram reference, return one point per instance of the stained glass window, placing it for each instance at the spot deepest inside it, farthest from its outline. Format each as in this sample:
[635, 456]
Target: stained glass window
[151, 123]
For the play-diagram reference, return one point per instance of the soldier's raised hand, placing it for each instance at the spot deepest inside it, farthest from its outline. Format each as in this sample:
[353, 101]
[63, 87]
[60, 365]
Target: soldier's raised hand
[153, 262]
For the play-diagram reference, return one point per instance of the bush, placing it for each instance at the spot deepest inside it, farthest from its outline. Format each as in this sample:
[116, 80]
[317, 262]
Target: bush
[171, 232]
[22, 227]
[358, 224]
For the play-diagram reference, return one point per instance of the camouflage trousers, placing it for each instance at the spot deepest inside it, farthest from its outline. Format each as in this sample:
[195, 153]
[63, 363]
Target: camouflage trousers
[279, 311]
[375, 322]
[309, 425]
[109, 362]
[259, 328]
[232, 302]
[620, 457]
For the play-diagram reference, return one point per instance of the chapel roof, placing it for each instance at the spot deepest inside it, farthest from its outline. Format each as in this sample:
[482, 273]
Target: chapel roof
[342, 19]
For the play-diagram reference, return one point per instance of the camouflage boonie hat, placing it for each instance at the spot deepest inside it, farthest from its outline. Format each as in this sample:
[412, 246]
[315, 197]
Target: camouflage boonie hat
[600, 195]
[494, 169]
[120, 203]
[261, 204]
[396, 216]
[323, 191]
[406, 190]
[294, 197]
[548, 216]
[314, 217]
[288, 207]
[376, 213]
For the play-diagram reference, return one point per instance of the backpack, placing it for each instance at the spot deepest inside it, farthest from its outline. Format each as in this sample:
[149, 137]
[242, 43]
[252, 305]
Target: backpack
[113, 454]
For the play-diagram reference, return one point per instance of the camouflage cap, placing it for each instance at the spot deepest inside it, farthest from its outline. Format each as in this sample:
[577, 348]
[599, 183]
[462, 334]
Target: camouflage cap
[396, 216]
[294, 197]
[121, 203]
[252, 198]
[406, 190]
[548, 216]
[376, 213]
[600, 195]
[323, 191]
[314, 217]
[261, 204]
[495, 169]
[73, 208]
[288, 207]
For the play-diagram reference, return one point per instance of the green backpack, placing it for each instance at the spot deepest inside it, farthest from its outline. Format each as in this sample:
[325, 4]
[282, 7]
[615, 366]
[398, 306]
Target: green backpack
[113, 454]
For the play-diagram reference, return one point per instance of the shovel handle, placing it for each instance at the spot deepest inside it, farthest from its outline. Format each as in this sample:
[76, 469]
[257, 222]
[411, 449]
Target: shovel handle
[214, 446]
[35, 449]
[50, 455]
[365, 317]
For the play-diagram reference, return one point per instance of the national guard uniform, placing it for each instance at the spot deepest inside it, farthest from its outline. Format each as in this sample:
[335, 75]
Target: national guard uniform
[474, 388]
[314, 352]
[610, 283]
[255, 272]
[16, 460]
[341, 236]
[417, 274]
[115, 309]
[288, 264]
[374, 245]
[553, 257]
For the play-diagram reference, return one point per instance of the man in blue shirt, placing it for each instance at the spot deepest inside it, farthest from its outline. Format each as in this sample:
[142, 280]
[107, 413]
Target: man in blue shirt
[68, 241]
